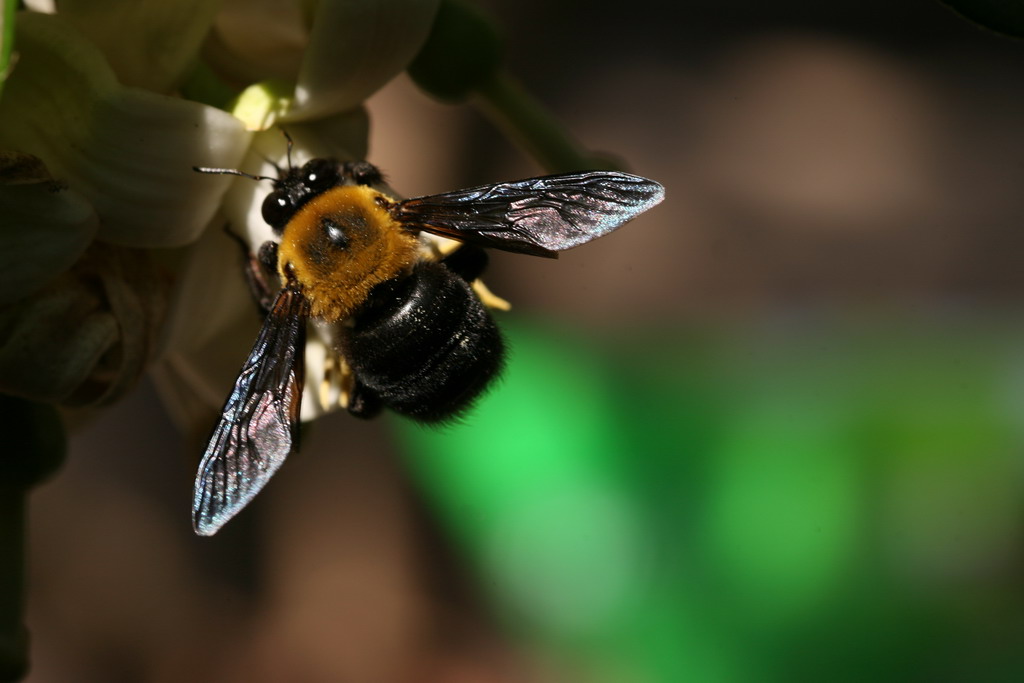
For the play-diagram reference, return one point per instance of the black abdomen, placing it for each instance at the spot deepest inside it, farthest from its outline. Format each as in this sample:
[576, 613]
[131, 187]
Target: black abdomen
[424, 345]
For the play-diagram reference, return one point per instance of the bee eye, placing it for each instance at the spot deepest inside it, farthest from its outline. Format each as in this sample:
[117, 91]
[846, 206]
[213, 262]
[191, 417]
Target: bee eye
[277, 210]
[320, 175]
[335, 233]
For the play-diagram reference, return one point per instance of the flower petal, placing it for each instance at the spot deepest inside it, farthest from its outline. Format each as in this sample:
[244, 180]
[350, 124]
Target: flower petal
[85, 338]
[127, 151]
[47, 6]
[53, 341]
[257, 40]
[355, 47]
[211, 324]
[44, 229]
[260, 105]
[149, 43]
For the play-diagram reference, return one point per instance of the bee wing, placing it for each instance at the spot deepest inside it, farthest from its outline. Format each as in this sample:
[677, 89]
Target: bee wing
[538, 216]
[258, 427]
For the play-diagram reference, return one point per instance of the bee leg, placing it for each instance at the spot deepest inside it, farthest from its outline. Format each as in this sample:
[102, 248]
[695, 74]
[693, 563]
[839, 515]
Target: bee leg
[255, 269]
[362, 402]
[468, 262]
[354, 396]
[331, 391]
[489, 298]
[266, 261]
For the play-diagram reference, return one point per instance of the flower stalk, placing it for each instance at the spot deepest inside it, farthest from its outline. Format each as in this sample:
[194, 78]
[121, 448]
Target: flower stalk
[530, 125]
[35, 448]
[462, 61]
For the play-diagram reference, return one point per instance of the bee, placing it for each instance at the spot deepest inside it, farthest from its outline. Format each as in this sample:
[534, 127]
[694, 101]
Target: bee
[412, 331]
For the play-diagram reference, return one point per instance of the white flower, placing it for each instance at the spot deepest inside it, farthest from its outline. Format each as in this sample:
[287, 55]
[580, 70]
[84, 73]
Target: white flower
[110, 228]
[116, 252]
[109, 179]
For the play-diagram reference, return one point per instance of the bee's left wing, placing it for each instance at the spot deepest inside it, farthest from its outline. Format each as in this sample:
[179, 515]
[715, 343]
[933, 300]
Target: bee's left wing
[538, 216]
[258, 427]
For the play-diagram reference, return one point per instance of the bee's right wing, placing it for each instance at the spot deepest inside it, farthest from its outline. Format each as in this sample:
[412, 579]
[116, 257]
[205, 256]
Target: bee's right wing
[258, 427]
[538, 216]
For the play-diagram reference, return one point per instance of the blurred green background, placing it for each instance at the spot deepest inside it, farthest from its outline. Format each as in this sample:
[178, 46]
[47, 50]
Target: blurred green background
[835, 499]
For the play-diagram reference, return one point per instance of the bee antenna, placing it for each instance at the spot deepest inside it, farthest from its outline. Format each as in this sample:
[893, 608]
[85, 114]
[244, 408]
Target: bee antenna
[230, 171]
[291, 143]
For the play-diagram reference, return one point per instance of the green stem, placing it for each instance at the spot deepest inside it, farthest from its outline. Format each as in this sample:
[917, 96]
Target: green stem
[34, 447]
[525, 120]
[13, 636]
[8, 11]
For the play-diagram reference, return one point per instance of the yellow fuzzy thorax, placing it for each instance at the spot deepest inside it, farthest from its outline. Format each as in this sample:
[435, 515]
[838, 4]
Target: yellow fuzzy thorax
[337, 275]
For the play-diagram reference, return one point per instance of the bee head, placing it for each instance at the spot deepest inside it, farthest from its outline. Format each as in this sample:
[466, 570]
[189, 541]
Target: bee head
[296, 187]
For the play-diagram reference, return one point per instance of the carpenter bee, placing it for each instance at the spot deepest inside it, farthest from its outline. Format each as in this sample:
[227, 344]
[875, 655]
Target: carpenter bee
[413, 334]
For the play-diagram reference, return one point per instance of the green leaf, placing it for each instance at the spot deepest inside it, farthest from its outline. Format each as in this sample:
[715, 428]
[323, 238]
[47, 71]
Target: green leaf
[1004, 16]
[355, 47]
[43, 232]
[462, 53]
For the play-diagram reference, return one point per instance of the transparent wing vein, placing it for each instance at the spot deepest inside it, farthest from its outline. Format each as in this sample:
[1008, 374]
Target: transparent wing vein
[539, 216]
[258, 427]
